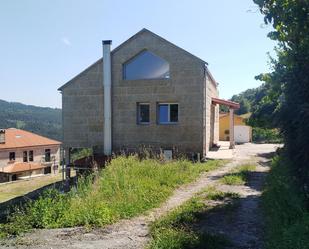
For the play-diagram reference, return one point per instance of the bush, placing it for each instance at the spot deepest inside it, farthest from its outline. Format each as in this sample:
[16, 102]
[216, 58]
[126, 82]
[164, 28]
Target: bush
[123, 189]
[287, 220]
[264, 135]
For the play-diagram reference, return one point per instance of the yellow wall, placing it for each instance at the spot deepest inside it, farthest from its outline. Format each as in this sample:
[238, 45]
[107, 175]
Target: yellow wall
[224, 124]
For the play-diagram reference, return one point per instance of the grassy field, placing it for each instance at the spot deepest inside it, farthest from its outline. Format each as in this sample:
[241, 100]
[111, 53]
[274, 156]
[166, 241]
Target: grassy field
[239, 176]
[125, 188]
[178, 229]
[19, 188]
[287, 218]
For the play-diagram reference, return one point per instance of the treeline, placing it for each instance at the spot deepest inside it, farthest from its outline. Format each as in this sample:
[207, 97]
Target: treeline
[260, 113]
[40, 120]
[286, 198]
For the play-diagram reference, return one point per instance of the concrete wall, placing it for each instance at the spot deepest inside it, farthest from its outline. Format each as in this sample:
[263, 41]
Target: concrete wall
[83, 101]
[211, 114]
[225, 125]
[38, 154]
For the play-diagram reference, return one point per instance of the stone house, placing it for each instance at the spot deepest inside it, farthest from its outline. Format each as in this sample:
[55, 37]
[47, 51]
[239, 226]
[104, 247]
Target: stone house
[146, 92]
[24, 154]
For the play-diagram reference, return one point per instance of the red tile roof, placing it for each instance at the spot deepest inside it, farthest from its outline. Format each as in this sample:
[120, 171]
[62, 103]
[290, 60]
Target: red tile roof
[16, 138]
[21, 167]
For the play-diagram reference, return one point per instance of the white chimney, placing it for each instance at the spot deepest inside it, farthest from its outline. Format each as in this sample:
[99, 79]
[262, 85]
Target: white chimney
[107, 82]
[2, 136]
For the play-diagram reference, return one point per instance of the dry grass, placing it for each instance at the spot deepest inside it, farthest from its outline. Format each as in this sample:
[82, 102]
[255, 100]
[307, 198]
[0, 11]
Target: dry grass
[19, 188]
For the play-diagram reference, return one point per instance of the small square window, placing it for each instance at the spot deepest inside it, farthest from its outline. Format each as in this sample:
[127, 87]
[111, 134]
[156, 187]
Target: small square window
[12, 156]
[167, 113]
[25, 156]
[143, 113]
[31, 156]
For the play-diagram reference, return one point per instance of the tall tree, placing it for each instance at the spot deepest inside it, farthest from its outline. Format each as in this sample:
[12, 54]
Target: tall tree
[289, 80]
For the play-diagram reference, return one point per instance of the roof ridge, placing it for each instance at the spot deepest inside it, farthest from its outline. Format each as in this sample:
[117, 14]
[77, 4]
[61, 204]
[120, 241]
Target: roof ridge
[125, 42]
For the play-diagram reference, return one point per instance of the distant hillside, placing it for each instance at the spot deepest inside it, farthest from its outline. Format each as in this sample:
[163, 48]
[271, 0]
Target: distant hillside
[250, 99]
[41, 120]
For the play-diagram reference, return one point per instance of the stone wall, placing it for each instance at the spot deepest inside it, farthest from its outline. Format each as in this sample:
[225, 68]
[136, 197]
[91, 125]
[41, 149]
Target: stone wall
[82, 109]
[183, 87]
[211, 122]
[83, 101]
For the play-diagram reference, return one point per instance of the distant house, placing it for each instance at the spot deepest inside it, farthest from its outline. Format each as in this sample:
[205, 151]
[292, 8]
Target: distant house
[24, 154]
[242, 132]
[146, 92]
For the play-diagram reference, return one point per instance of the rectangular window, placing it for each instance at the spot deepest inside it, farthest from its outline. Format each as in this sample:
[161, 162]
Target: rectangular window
[47, 155]
[12, 156]
[167, 113]
[25, 156]
[143, 113]
[31, 156]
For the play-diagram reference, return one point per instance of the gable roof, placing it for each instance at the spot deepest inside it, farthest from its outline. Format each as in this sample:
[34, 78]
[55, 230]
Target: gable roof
[144, 30]
[16, 138]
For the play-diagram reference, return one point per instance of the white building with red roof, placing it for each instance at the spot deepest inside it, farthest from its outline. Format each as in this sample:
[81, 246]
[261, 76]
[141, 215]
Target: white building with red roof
[24, 154]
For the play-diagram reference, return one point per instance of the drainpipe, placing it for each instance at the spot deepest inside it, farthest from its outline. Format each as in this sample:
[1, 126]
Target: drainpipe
[107, 82]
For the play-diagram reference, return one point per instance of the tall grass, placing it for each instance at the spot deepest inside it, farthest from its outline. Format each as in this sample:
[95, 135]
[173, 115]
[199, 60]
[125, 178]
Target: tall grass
[125, 188]
[287, 219]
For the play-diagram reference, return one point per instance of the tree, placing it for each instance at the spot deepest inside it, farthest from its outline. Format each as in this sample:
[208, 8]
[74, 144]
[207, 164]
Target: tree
[289, 80]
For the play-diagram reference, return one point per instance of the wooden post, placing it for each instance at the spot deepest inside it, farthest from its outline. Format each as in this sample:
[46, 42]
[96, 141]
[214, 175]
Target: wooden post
[232, 141]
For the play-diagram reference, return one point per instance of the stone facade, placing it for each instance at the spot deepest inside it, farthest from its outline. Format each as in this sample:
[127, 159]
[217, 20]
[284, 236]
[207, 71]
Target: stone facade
[38, 154]
[190, 85]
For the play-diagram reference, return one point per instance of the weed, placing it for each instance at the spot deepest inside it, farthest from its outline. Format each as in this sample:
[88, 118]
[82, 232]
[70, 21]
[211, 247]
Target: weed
[287, 219]
[178, 229]
[125, 188]
[239, 176]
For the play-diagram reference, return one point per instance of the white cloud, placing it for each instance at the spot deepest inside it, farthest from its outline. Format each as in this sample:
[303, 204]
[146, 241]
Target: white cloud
[66, 41]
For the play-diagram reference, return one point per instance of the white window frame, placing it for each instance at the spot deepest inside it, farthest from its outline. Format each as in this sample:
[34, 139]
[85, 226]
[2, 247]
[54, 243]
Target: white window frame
[139, 113]
[168, 111]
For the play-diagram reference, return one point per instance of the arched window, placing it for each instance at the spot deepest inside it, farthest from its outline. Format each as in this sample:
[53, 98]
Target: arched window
[146, 65]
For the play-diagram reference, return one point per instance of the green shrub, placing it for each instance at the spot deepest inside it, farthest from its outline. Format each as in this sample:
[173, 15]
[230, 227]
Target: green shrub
[287, 220]
[264, 135]
[125, 188]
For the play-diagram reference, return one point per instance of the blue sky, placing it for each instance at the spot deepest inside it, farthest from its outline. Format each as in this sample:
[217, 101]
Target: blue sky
[45, 43]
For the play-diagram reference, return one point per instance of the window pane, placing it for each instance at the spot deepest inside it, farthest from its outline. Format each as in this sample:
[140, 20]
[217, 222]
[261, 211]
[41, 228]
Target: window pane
[174, 113]
[163, 113]
[12, 156]
[47, 155]
[146, 65]
[25, 156]
[31, 155]
[144, 113]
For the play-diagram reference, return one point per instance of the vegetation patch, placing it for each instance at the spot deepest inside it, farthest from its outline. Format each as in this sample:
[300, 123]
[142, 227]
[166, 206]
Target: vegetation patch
[287, 219]
[179, 229]
[239, 176]
[125, 188]
[266, 135]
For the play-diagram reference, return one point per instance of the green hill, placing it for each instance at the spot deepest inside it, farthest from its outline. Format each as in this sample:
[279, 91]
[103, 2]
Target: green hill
[44, 121]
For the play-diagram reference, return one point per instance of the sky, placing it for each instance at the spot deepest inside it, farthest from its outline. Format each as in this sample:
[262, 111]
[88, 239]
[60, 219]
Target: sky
[43, 43]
